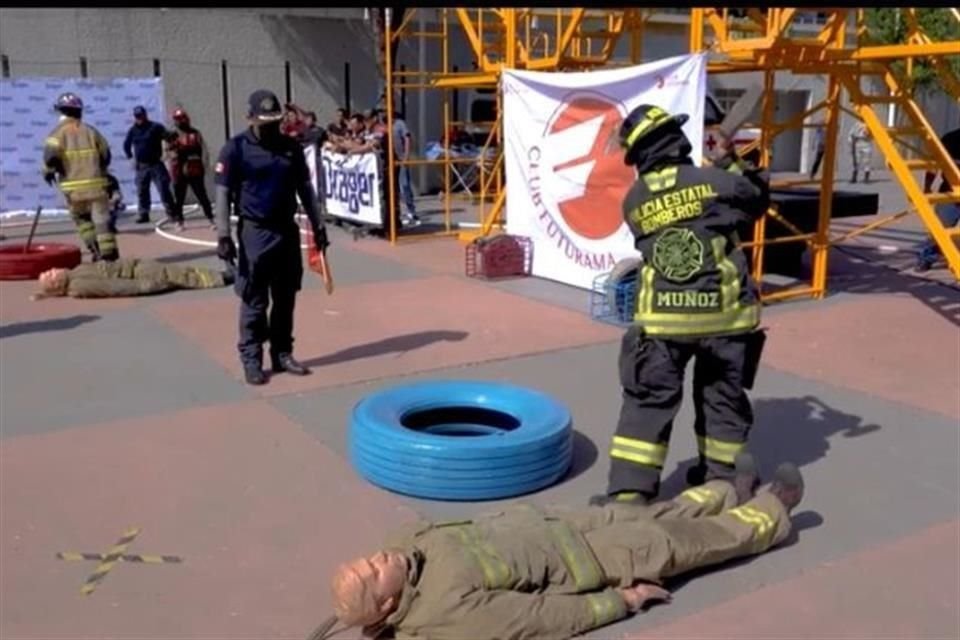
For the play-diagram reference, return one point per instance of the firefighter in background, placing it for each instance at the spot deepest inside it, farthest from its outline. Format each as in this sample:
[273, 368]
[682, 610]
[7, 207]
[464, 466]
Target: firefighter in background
[188, 159]
[861, 151]
[695, 299]
[76, 156]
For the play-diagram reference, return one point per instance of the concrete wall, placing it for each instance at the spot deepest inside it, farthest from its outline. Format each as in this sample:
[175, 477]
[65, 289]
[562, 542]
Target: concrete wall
[191, 44]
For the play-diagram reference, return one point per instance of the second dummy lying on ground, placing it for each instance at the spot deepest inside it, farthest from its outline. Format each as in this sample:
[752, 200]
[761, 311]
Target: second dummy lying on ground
[552, 573]
[128, 277]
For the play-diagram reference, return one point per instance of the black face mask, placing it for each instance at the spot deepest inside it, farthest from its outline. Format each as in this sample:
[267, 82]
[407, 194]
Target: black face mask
[183, 126]
[269, 130]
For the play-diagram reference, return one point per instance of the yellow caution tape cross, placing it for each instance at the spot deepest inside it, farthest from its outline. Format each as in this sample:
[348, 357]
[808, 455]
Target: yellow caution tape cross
[112, 556]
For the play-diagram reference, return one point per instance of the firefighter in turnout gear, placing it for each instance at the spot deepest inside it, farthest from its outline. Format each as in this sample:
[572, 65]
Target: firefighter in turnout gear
[187, 164]
[76, 157]
[128, 277]
[695, 300]
[530, 572]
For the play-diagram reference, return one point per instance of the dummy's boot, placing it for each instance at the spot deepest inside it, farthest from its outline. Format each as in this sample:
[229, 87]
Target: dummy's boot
[746, 478]
[623, 497]
[285, 362]
[787, 485]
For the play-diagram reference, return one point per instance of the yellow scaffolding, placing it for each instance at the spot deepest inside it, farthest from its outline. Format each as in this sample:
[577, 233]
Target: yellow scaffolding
[755, 40]
[764, 41]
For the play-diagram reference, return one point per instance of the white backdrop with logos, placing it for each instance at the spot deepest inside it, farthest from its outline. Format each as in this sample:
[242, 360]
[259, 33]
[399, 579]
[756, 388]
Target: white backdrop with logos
[351, 184]
[27, 116]
[565, 184]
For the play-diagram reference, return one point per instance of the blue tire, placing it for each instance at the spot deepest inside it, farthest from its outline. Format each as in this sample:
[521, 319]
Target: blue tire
[461, 440]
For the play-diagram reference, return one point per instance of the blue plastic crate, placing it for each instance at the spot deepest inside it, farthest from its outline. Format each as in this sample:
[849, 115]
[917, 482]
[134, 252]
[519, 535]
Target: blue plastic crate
[613, 302]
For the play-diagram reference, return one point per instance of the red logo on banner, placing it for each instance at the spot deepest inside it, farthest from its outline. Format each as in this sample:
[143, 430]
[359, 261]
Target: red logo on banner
[596, 212]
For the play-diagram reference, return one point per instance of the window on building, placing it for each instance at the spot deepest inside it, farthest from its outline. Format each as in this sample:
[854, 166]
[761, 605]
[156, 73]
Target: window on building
[726, 98]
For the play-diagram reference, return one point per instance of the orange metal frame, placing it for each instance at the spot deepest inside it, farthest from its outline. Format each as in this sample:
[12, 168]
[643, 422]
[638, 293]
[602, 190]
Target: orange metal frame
[764, 41]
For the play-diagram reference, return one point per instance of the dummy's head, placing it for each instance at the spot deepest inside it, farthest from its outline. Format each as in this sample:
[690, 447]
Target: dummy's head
[265, 113]
[70, 105]
[367, 590]
[649, 135]
[53, 282]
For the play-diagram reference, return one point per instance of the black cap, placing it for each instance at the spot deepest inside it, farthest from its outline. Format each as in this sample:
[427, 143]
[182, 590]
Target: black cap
[264, 106]
[139, 112]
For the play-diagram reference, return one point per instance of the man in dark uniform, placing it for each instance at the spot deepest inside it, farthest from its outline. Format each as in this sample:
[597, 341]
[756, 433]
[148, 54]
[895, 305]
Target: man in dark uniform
[695, 299]
[263, 171]
[144, 144]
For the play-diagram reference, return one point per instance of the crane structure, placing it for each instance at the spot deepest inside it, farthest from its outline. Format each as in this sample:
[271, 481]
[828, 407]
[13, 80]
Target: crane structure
[862, 80]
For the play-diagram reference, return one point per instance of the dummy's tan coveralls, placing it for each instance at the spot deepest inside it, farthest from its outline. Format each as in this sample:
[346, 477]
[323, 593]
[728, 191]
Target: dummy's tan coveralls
[134, 277]
[551, 573]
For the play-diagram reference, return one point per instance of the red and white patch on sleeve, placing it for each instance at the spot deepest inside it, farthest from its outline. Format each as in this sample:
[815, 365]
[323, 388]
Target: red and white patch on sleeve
[220, 168]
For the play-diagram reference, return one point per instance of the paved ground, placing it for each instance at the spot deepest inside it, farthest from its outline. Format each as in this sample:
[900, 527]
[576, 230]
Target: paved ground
[128, 413]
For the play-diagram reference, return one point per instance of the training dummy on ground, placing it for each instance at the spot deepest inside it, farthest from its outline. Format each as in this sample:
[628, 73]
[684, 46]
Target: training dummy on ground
[127, 277]
[530, 572]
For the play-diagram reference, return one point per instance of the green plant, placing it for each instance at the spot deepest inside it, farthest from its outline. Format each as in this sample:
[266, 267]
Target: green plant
[889, 26]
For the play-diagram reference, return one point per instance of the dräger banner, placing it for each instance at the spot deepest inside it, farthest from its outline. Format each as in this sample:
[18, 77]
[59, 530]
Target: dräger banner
[351, 185]
[565, 187]
[27, 116]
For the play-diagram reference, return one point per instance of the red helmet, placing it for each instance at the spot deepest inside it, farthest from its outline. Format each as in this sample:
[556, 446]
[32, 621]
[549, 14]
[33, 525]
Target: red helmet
[179, 115]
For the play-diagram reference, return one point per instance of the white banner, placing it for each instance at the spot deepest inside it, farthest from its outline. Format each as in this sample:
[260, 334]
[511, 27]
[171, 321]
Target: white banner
[351, 185]
[565, 187]
[27, 116]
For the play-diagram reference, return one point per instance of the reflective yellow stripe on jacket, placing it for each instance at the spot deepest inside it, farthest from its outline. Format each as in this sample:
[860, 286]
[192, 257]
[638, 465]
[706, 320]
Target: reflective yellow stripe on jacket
[732, 317]
[579, 559]
[76, 185]
[496, 572]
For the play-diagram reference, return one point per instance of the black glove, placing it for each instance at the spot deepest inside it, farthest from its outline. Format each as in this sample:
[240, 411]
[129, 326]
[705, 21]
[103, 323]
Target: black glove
[226, 249]
[50, 177]
[320, 240]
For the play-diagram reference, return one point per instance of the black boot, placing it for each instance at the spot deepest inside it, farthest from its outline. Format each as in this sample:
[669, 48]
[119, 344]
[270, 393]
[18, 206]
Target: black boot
[254, 374]
[285, 362]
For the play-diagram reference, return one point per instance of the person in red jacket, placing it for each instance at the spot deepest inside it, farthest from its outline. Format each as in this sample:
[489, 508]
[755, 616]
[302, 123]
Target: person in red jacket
[187, 166]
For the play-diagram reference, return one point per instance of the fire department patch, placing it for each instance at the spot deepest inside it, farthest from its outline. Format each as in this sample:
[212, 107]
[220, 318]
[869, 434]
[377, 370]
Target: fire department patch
[220, 168]
[678, 254]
